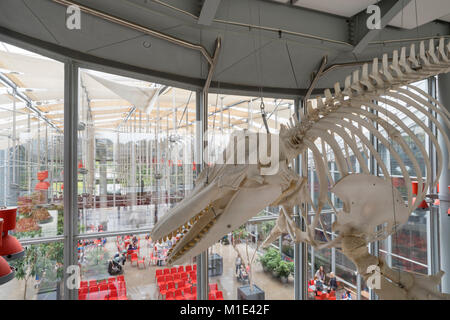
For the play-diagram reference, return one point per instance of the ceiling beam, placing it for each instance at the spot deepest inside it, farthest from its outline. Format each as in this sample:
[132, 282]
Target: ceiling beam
[389, 9]
[208, 12]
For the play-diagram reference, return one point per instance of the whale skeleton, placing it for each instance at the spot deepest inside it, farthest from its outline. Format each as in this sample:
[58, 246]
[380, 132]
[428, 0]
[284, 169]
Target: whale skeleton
[378, 101]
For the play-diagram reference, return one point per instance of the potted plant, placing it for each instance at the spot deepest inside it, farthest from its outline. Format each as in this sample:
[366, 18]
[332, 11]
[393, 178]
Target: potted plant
[283, 270]
[272, 265]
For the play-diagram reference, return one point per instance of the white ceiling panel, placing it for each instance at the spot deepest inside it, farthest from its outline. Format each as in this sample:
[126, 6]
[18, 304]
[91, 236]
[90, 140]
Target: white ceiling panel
[426, 11]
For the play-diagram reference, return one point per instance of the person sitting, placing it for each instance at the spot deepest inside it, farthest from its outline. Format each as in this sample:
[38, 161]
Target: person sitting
[120, 258]
[114, 268]
[332, 284]
[347, 295]
[243, 275]
[318, 284]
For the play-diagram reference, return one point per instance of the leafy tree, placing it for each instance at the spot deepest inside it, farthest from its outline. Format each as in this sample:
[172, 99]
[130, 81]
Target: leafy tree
[43, 261]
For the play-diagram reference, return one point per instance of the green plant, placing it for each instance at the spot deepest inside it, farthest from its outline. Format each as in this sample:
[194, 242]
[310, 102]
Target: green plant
[44, 261]
[291, 267]
[274, 260]
[266, 227]
[283, 269]
[270, 254]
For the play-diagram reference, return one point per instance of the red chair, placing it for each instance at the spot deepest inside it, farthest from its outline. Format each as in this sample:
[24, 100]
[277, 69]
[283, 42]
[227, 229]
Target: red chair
[121, 278]
[153, 259]
[211, 296]
[219, 295]
[166, 271]
[162, 290]
[171, 287]
[112, 292]
[188, 295]
[192, 274]
[122, 290]
[92, 283]
[83, 284]
[169, 278]
[213, 288]
[170, 296]
[194, 267]
[93, 288]
[134, 258]
[179, 295]
[94, 293]
[184, 276]
[177, 278]
[188, 268]
[194, 280]
[183, 285]
[141, 262]
[130, 253]
[111, 280]
[82, 296]
[103, 293]
[83, 290]
[173, 270]
[102, 282]
[159, 272]
[180, 269]
[161, 280]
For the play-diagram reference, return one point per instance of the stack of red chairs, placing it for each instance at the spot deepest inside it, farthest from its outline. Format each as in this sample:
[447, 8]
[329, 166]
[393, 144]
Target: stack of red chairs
[106, 289]
[214, 292]
[219, 295]
[211, 296]
[213, 288]
[176, 283]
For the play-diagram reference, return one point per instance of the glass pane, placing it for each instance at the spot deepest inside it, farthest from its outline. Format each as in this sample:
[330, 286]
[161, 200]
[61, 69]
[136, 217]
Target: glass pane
[31, 141]
[238, 265]
[135, 151]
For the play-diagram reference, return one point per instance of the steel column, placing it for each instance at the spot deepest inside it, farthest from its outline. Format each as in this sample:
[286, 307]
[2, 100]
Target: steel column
[71, 78]
[444, 181]
[201, 117]
[300, 249]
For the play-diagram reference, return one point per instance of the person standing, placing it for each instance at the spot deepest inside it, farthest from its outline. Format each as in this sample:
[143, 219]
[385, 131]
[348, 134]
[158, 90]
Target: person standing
[320, 274]
[333, 282]
[238, 263]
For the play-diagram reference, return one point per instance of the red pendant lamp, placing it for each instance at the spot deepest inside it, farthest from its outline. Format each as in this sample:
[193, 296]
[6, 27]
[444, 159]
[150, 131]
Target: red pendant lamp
[11, 247]
[6, 272]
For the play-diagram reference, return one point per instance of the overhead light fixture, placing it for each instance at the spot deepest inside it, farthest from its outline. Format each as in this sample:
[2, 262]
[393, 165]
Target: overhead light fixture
[11, 248]
[6, 272]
